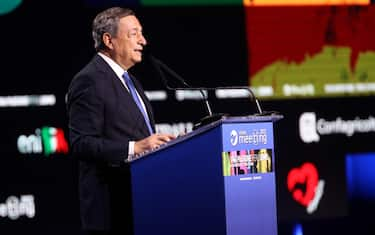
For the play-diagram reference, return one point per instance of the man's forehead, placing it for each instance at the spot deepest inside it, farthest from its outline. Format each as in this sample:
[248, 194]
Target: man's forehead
[130, 21]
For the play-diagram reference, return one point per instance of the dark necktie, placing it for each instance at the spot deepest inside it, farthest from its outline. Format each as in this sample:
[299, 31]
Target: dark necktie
[129, 83]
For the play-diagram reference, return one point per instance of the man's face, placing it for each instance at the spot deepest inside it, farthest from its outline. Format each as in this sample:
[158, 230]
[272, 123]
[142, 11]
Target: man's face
[128, 43]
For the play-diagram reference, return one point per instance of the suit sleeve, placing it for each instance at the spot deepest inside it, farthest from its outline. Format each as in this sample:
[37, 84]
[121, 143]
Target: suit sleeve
[86, 125]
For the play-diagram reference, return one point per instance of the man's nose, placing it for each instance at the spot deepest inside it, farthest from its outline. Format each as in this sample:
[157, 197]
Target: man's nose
[143, 40]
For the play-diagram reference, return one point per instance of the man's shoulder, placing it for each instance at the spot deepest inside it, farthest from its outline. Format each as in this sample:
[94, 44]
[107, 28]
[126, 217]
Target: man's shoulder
[92, 73]
[94, 66]
[91, 79]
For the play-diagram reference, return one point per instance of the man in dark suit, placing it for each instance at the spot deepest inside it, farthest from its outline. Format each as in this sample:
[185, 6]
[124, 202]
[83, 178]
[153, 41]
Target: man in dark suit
[110, 120]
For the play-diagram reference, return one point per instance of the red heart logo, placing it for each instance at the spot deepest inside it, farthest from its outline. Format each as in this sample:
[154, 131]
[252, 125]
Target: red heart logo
[306, 175]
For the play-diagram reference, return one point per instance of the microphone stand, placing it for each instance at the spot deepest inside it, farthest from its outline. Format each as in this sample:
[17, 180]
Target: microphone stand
[259, 109]
[157, 64]
[211, 117]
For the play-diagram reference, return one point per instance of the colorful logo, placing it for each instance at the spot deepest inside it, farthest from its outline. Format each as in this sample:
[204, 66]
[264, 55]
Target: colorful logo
[307, 177]
[7, 6]
[244, 162]
[48, 140]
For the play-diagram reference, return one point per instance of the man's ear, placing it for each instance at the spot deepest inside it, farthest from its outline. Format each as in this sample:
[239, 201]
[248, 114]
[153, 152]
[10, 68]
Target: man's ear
[107, 40]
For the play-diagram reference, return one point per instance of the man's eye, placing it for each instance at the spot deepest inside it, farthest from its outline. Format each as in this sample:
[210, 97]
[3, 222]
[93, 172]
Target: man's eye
[133, 33]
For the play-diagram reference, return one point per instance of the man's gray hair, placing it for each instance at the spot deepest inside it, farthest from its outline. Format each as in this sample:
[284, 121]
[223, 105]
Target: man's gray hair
[107, 22]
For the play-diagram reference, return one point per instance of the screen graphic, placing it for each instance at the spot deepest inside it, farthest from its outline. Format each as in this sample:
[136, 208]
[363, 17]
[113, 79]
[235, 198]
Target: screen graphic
[304, 2]
[7, 6]
[166, 3]
[230, 2]
[314, 51]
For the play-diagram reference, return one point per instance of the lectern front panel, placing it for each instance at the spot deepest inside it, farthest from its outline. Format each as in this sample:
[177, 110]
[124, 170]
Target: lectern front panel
[248, 161]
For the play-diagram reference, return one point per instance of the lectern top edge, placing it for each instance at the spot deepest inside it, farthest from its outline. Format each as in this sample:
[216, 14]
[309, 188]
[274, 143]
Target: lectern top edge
[251, 118]
[223, 120]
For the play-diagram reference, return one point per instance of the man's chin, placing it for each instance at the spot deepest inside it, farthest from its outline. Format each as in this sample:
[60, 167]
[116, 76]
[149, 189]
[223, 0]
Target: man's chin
[137, 59]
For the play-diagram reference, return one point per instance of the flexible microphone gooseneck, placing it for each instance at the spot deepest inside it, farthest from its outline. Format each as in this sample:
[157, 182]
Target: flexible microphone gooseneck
[160, 66]
[253, 97]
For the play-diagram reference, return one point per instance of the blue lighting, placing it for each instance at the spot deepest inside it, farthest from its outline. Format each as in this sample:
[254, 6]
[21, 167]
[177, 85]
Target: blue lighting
[360, 175]
[298, 229]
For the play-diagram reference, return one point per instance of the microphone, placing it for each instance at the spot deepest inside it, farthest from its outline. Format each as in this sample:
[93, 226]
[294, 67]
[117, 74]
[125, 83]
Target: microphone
[259, 109]
[158, 65]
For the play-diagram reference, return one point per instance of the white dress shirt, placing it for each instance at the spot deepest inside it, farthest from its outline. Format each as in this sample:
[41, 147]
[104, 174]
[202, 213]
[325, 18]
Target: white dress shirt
[119, 71]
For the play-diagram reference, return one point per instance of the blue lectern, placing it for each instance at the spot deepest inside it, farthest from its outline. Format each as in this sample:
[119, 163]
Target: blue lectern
[218, 179]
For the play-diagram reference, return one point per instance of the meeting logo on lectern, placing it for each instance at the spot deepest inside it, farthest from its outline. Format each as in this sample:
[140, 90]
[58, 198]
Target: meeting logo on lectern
[234, 137]
[255, 137]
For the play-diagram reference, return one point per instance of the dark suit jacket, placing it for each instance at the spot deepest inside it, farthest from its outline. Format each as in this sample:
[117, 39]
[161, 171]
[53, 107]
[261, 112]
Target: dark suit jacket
[103, 118]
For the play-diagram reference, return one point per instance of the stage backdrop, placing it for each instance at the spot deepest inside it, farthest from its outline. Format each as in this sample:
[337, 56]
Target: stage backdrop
[313, 63]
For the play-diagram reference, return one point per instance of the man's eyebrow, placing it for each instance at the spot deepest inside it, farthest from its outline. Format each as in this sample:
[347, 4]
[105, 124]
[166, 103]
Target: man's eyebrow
[137, 29]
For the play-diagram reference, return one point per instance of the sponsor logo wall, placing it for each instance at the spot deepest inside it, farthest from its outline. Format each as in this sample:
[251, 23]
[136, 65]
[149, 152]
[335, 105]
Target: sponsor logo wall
[313, 141]
[309, 160]
[37, 174]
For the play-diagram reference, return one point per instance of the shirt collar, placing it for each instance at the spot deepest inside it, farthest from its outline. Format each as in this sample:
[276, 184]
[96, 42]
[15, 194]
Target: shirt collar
[115, 67]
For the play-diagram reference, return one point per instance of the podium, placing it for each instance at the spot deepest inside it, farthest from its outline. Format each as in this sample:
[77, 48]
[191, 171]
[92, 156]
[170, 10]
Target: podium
[216, 180]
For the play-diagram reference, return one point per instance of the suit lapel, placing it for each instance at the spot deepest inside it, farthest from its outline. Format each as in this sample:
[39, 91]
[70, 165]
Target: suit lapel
[124, 98]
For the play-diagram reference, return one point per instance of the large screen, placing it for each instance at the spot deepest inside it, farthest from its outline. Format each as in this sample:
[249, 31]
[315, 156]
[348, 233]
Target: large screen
[314, 51]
